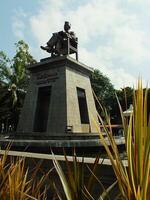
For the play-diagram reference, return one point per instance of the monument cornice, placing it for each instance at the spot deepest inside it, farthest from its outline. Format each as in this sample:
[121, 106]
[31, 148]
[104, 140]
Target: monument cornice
[60, 61]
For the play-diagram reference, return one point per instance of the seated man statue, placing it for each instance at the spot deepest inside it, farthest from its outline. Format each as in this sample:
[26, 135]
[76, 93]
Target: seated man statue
[57, 44]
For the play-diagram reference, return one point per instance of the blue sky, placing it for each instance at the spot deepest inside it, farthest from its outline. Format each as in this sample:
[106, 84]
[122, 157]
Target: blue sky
[113, 34]
[9, 10]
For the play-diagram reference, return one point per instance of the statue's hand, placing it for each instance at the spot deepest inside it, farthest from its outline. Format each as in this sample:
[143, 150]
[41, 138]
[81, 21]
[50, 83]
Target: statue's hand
[65, 35]
[68, 35]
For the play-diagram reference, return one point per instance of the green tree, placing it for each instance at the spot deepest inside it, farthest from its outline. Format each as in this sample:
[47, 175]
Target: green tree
[14, 71]
[106, 94]
[125, 97]
[13, 82]
[103, 89]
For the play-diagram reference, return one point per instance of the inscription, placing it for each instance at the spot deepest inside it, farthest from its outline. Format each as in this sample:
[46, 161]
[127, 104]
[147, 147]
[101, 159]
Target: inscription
[45, 78]
[47, 81]
[46, 75]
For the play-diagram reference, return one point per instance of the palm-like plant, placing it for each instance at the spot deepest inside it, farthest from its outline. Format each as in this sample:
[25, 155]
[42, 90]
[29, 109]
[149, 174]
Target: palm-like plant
[75, 185]
[17, 182]
[134, 180]
[13, 82]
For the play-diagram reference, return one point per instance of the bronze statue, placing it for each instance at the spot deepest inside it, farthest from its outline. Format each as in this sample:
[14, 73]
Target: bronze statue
[62, 43]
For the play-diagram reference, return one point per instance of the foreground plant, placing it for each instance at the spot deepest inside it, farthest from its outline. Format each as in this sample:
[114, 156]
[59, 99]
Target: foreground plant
[15, 183]
[134, 180]
[75, 185]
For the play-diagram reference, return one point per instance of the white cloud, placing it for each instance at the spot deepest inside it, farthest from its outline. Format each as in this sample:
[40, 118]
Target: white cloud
[18, 24]
[137, 1]
[18, 27]
[110, 35]
[118, 76]
[49, 19]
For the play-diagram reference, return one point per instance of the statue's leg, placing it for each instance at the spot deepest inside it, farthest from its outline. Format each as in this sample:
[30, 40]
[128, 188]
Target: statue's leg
[51, 44]
[59, 45]
[53, 40]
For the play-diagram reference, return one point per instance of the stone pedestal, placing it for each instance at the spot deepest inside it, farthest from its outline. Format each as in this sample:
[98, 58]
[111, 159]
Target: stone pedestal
[59, 99]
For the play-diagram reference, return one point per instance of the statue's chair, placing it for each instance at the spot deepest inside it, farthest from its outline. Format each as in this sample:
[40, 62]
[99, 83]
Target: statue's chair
[66, 46]
[72, 47]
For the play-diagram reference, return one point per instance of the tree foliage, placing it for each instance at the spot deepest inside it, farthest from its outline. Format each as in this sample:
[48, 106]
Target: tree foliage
[13, 82]
[106, 94]
[14, 71]
[125, 97]
[103, 89]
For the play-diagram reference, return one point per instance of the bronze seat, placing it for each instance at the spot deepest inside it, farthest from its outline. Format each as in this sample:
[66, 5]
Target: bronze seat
[68, 46]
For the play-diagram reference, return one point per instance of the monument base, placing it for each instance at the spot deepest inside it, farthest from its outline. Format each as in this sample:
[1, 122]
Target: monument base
[84, 144]
[59, 99]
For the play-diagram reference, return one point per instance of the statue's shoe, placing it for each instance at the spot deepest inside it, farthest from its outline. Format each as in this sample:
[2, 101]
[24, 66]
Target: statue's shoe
[45, 48]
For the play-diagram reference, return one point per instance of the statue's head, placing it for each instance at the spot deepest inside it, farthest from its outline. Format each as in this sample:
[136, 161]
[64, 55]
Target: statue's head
[67, 26]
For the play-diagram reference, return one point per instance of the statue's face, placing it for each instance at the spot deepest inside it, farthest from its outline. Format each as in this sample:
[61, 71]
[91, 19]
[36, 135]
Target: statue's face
[66, 27]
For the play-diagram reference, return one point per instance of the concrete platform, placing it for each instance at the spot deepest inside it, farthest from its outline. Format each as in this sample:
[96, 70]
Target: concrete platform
[87, 160]
[89, 144]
